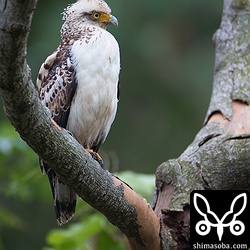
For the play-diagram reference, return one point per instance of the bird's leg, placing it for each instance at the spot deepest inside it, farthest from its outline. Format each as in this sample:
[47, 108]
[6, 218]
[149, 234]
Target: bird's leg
[95, 156]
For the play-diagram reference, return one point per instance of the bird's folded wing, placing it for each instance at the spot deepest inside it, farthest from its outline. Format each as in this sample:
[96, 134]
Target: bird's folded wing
[56, 84]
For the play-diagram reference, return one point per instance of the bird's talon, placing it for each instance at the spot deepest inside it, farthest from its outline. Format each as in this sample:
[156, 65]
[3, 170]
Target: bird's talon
[95, 156]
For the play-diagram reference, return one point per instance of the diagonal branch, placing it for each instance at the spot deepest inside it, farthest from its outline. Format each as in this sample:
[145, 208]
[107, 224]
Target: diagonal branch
[121, 205]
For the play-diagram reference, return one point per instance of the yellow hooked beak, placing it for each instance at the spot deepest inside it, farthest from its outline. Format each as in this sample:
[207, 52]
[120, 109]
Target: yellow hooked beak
[105, 18]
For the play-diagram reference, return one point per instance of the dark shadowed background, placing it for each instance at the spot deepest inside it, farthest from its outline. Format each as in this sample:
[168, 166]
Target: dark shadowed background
[167, 60]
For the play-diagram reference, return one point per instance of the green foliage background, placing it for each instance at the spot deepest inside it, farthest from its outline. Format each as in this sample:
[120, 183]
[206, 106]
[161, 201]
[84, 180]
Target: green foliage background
[166, 77]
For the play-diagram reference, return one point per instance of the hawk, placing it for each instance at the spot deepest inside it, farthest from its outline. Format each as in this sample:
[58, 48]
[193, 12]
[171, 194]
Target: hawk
[79, 84]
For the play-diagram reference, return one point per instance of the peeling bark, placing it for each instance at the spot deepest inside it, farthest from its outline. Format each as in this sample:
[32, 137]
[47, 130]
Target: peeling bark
[218, 158]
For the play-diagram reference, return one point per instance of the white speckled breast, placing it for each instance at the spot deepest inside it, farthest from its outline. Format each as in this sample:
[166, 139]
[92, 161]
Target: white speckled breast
[97, 64]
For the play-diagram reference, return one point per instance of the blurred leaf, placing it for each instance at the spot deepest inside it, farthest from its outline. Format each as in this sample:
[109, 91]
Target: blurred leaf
[60, 237]
[111, 241]
[19, 168]
[142, 184]
[94, 232]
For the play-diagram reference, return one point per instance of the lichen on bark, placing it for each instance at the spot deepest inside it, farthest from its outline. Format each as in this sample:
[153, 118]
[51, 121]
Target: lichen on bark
[218, 158]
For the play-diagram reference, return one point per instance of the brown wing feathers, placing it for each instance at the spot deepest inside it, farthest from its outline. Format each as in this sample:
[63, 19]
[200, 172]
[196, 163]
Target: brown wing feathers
[56, 86]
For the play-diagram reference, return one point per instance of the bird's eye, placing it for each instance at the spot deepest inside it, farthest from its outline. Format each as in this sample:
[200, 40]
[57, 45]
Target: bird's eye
[96, 15]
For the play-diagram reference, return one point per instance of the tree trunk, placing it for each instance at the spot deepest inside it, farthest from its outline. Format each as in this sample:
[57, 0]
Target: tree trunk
[218, 158]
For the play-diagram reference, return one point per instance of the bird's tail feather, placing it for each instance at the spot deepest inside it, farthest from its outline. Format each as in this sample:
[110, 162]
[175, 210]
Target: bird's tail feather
[64, 197]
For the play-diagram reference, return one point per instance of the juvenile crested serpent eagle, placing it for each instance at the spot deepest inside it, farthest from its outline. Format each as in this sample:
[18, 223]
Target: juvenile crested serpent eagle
[79, 85]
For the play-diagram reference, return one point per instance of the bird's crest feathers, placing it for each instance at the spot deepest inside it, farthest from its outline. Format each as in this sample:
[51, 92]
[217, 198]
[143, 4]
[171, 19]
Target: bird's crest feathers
[76, 10]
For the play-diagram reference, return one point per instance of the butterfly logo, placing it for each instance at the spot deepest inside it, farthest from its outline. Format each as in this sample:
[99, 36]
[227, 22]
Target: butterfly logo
[203, 227]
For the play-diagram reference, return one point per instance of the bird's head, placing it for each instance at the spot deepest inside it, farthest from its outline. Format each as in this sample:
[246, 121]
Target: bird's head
[94, 12]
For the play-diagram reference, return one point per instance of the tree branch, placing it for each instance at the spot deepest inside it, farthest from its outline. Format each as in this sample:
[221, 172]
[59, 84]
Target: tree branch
[121, 205]
[219, 156]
